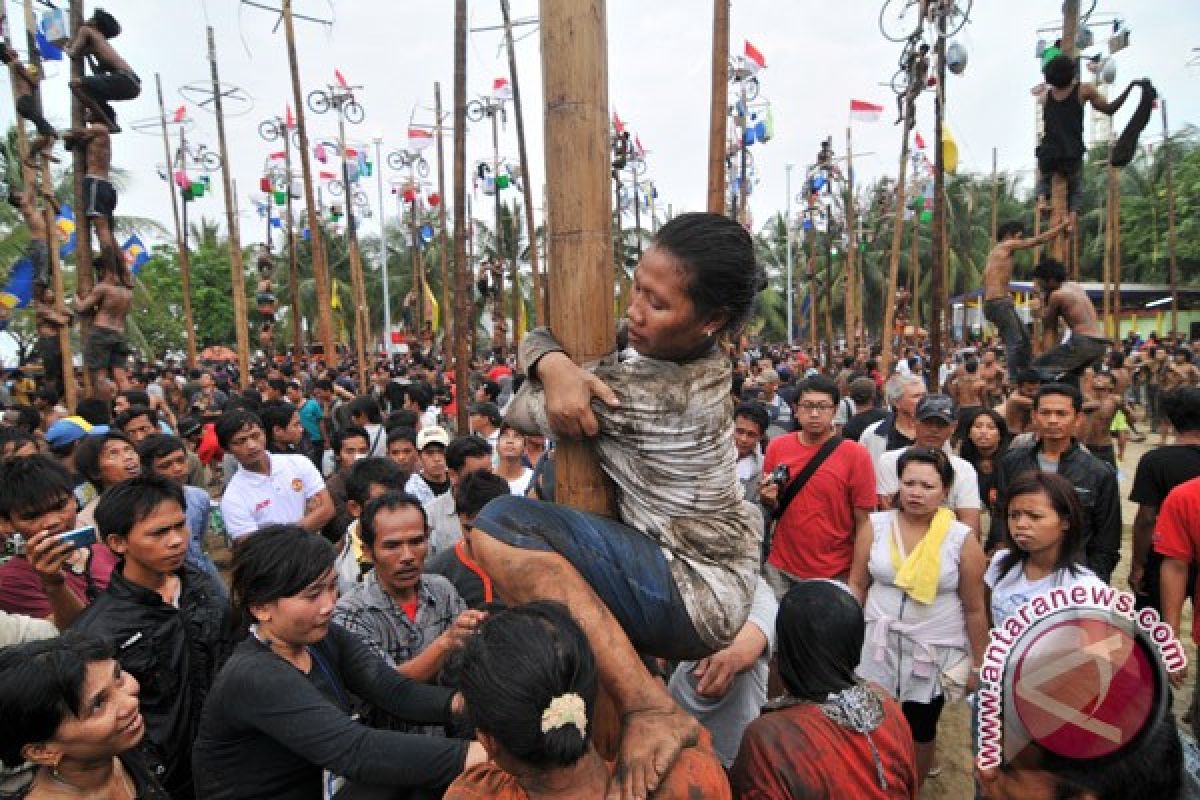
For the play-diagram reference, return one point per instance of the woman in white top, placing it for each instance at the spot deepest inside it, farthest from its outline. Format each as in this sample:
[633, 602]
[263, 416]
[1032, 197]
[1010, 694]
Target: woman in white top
[1043, 547]
[510, 464]
[919, 575]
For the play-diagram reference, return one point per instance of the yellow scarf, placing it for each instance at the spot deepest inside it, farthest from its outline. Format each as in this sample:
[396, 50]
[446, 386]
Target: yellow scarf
[918, 575]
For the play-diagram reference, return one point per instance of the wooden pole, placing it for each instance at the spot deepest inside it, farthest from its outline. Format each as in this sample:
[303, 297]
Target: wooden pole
[717, 112]
[1173, 268]
[319, 267]
[31, 179]
[539, 304]
[185, 269]
[236, 268]
[85, 272]
[1109, 243]
[575, 70]
[497, 257]
[995, 202]
[851, 281]
[914, 277]
[829, 292]
[293, 260]
[1116, 254]
[739, 211]
[443, 240]
[357, 285]
[937, 288]
[1060, 246]
[813, 299]
[463, 319]
[889, 298]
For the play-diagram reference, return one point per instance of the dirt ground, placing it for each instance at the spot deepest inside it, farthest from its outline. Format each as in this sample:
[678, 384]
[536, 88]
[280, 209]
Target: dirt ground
[954, 728]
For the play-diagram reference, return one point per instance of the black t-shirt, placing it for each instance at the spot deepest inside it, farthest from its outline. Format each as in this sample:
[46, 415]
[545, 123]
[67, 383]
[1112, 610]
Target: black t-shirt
[860, 422]
[1161, 470]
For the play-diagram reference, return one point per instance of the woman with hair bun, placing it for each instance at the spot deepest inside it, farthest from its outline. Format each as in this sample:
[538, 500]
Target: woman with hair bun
[529, 681]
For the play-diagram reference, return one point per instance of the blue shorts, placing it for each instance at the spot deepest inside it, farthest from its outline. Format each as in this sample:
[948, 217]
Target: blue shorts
[625, 568]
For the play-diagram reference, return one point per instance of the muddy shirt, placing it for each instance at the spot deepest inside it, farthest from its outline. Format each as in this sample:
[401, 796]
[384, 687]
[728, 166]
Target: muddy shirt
[669, 449]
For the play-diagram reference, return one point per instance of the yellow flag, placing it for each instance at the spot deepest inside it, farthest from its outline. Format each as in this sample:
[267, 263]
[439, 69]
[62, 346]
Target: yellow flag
[336, 302]
[949, 150]
[432, 304]
[522, 320]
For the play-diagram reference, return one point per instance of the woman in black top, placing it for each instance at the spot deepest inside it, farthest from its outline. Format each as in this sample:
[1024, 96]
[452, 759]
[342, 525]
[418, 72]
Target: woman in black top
[277, 723]
[69, 709]
[985, 443]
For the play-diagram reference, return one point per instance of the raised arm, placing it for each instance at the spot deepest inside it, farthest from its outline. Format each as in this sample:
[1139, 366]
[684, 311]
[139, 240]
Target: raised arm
[86, 304]
[81, 43]
[1089, 93]
[1040, 239]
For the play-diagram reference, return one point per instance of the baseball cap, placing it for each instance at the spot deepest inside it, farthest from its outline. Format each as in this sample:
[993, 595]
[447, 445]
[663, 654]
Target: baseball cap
[937, 406]
[862, 389]
[71, 429]
[433, 434]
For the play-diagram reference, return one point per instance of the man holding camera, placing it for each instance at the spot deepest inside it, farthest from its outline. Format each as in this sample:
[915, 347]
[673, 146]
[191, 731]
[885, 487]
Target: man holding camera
[821, 489]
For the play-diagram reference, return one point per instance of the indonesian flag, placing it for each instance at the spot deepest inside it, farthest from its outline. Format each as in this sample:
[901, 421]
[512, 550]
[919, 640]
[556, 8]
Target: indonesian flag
[419, 138]
[754, 56]
[326, 176]
[289, 119]
[501, 89]
[180, 113]
[618, 126]
[865, 112]
[278, 156]
[341, 79]
[919, 140]
[637, 145]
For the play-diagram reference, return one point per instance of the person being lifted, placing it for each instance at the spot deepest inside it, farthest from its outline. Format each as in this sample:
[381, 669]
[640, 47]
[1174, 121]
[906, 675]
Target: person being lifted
[1066, 300]
[25, 84]
[111, 78]
[98, 190]
[106, 352]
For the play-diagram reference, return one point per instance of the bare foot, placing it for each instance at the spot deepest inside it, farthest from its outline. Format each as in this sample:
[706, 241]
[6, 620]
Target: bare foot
[651, 740]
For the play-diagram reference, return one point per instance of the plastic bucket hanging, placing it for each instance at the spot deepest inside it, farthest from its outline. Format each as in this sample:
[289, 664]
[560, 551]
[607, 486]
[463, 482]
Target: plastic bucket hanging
[197, 189]
[264, 185]
[426, 233]
[502, 182]
[926, 216]
[280, 198]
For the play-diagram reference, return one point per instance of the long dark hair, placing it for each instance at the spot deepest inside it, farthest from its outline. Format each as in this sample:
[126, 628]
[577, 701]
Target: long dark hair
[1066, 504]
[509, 673]
[723, 275]
[969, 451]
[276, 561]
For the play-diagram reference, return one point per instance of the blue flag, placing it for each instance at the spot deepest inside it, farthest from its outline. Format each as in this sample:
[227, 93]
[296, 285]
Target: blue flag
[135, 253]
[18, 292]
[48, 50]
[66, 230]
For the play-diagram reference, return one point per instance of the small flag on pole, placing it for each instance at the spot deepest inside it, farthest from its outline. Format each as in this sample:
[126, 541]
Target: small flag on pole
[134, 251]
[501, 89]
[289, 119]
[341, 79]
[618, 125]
[919, 140]
[326, 176]
[419, 138]
[863, 111]
[754, 56]
[179, 114]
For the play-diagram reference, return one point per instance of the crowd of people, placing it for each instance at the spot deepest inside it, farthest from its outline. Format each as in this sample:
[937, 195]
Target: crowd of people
[295, 586]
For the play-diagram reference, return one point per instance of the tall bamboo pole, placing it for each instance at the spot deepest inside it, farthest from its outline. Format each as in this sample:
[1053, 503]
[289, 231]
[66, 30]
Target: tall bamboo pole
[813, 303]
[444, 256]
[851, 282]
[31, 179]
[319, 267]
[357, 284]
[1173, 273]
[995, 202]
[293, 260]
[717, 112]
[539, 303]
[1116, 255]
[237, 272]
[1060, 246]
[185, 269]
[1109, 242]
[497, 257]
[85, 273]
[739, 210]
[914, 277]
[463, 319]
[829, 292]
[937, 288]
[889, 298]
[575, 70]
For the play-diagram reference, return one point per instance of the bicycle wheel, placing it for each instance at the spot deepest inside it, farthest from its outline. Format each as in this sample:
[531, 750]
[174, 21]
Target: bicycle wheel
[752, 87]
[268, 131]
[335, 188]
[958, 16]
[899, 19]
[353, 112]
[900, 82]
[422, 167]
[395, 160]
[210, 161]
[318, 101]
[475, 111]
[360, 199]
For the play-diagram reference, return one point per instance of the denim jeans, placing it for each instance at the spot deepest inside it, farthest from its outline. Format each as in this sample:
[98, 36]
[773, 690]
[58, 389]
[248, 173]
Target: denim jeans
[1001, 312]
[1067, 361]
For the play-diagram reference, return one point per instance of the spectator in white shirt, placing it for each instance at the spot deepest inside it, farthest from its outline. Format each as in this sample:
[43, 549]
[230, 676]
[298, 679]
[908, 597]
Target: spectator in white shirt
[434, 479]
[268, 489]
[365, 413]
[485, 420]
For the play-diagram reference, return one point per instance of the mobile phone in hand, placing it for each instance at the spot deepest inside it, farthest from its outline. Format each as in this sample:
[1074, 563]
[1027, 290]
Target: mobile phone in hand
[80, 537]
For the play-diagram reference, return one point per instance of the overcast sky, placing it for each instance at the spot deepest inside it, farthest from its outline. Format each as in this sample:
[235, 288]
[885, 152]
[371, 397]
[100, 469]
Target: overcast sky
[819, 56]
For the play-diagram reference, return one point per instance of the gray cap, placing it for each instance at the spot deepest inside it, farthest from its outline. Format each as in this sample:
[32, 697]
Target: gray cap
[937, 406]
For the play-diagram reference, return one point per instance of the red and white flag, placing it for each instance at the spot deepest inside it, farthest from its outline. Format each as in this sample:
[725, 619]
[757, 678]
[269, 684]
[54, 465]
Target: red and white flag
[180, 113]
[501, 89]
[919, 140]
[618, 126]
[637, 145]
[865, 112]
[341, 79]
[754, 56]
[419, 138]
[326, 176]
[289, 119]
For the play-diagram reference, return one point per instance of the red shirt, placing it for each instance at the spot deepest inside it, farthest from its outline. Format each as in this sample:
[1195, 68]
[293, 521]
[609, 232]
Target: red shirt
[815, 536]
[1177, 531]
[21, 589]
[499, 371]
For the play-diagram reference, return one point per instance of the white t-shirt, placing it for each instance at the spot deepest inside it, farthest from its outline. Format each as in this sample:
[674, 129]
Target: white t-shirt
[1014, 590]
[252, 501]
[963, 494]
[521, 484]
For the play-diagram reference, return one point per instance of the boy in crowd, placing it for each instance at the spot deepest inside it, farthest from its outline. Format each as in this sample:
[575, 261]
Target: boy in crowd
[166, 621]
[167, 457]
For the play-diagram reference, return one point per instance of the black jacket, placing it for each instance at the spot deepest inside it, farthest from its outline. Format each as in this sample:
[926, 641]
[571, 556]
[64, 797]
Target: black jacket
[173, 652]
[1096, 487]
